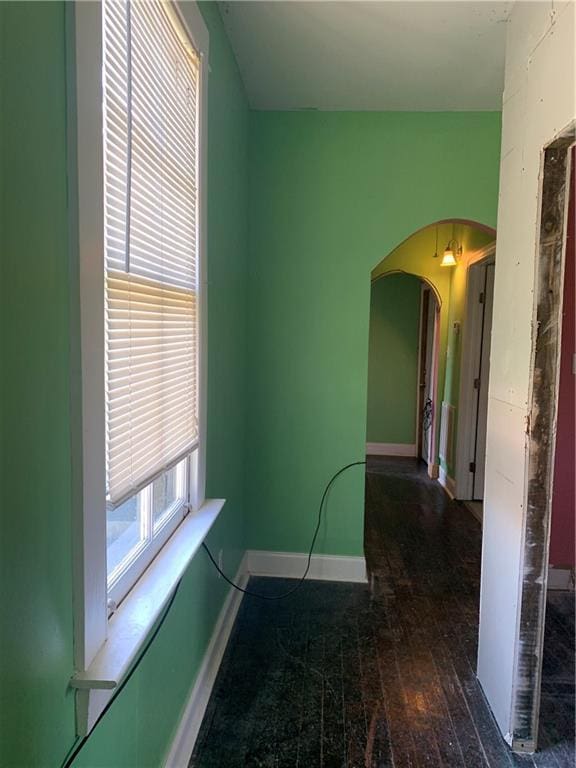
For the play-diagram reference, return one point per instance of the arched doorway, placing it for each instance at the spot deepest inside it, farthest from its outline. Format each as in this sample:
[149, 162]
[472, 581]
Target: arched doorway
[426, 346]
[405, 312]
[441, 363]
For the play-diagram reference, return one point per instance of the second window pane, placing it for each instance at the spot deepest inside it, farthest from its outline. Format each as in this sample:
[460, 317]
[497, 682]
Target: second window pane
[123, 532]
[164, 494]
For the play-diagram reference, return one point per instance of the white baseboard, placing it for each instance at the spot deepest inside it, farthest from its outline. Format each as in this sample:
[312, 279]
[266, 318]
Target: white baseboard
[391, 449]
[560, 578]
[476, 508]
[187, 732]
[291, 565]
[447, 482]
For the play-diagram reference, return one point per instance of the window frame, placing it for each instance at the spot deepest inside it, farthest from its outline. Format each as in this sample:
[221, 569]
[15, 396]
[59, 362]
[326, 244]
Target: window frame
[86, 201]
[131, 567]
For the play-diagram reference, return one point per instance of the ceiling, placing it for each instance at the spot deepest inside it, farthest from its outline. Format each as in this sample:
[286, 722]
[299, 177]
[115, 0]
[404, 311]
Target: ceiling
[413, 55]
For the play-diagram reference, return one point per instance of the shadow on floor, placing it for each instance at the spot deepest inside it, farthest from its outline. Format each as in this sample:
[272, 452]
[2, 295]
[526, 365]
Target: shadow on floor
[357, 676]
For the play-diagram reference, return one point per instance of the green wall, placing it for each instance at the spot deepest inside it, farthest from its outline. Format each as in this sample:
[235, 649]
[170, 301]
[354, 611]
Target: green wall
[37, 719]
[331, 194]
[38, 328]
[393, 359]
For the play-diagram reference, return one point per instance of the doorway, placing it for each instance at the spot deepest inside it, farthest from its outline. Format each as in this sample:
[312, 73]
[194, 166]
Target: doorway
[473, 418]
[403, 368]
[556, 727]
[554, 255]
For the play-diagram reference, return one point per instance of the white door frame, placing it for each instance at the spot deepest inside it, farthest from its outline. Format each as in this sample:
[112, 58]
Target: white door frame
[470, 360]
[479, 474]
[433, 333]
[418, 434]
[433, 339]
[424, 287]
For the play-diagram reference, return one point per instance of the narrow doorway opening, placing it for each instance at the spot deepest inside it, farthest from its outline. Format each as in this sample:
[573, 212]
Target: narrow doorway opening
[473, 411]
[425, 343]
[545, 417]
[556, 727]
[429, 353]
[404, 349]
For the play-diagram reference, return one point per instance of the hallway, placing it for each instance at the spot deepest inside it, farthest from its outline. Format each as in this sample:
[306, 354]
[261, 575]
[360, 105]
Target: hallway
[346, 675]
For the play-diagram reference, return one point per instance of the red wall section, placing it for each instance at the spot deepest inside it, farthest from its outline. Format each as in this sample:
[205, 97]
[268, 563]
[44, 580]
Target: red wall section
[562, 536]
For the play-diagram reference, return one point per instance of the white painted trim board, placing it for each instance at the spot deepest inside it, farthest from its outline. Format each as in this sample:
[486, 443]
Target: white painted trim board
[447, 482]
[292, 565]
[560, 578]
[391, 449]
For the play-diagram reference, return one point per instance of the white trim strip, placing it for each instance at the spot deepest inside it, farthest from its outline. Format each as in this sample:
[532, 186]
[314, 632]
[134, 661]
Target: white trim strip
[476, 509]
[560, 578]
[187, 732]
[291, 565]
[447, 482]
[487, 252]
[391, 449]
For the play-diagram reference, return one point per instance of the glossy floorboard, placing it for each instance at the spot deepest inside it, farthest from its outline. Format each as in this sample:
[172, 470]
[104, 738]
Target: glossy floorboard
[353, 676]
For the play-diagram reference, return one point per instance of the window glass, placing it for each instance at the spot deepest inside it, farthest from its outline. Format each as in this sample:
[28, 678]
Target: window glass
[167, 492]
[124, 532]
[134, 524]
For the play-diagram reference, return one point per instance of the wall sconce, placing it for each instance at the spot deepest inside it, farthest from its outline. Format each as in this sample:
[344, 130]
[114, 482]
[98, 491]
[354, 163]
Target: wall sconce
[452, 250]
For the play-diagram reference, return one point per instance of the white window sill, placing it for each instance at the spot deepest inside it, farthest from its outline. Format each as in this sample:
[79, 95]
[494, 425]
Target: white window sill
[132, 622]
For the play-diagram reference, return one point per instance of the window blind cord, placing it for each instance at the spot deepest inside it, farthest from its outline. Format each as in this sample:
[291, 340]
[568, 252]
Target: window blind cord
[128, 132]
[302, 579]
[80, 743]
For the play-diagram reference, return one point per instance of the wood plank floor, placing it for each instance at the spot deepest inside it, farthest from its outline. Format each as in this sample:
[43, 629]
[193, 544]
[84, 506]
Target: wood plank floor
[354, 676]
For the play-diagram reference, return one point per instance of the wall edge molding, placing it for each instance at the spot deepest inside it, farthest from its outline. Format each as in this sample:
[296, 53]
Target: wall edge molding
[447, 482]
[291, 565]
[392, 449]
[560, 578]
[487, 251]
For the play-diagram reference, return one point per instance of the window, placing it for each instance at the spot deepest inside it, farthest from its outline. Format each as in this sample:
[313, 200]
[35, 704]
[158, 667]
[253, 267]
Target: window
[150, 148]
[137, 127]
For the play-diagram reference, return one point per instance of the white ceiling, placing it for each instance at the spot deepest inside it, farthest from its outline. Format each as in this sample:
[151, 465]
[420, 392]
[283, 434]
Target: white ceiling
[411, 55]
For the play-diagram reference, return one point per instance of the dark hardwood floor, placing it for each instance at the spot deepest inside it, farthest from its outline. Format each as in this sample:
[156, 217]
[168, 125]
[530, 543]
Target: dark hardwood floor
[356, 676]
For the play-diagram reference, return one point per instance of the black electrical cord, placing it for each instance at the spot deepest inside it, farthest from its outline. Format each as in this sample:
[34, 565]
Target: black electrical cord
[79, 745]
[300, 582]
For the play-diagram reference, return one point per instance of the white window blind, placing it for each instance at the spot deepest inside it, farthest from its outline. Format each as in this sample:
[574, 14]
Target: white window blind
[151, 95]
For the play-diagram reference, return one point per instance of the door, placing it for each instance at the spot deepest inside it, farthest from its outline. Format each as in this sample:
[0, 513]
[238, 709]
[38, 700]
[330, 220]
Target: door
[481, 384]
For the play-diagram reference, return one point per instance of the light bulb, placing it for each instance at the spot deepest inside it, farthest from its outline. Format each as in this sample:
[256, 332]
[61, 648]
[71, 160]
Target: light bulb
[448, 260]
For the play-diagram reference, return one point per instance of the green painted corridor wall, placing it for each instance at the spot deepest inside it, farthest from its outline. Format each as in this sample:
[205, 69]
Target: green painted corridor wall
[39, 294]
[393, 359]
[331, 194]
